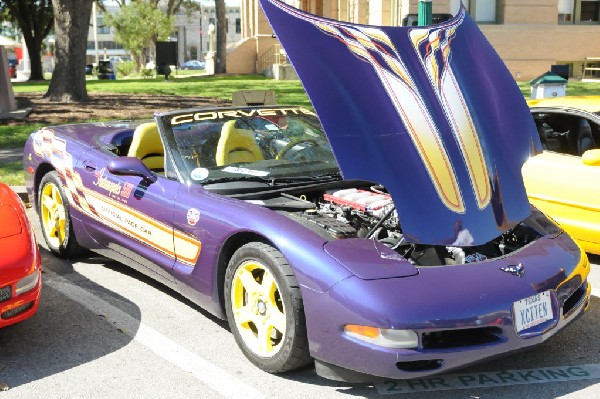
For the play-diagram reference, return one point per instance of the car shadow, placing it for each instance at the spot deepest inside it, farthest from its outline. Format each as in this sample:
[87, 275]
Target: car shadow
[130, 272]
[58, 338]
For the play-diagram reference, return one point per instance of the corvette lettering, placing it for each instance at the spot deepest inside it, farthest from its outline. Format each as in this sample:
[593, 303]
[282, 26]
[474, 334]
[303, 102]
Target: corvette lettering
[215, 115]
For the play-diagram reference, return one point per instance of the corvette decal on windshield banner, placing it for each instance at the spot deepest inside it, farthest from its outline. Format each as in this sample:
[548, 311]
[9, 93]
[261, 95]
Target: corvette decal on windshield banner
[431, 113]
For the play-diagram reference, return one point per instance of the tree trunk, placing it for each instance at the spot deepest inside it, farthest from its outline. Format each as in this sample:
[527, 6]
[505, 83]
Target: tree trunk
[221, 60]
[35, 57]
[71, 25]
[35, 19]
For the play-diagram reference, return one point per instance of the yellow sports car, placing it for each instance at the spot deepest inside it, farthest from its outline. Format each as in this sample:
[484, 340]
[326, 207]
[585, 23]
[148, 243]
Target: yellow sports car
[564, 181]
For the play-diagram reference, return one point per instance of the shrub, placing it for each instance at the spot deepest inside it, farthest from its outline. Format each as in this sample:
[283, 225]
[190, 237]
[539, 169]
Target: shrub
[147, 73]
[125, 68]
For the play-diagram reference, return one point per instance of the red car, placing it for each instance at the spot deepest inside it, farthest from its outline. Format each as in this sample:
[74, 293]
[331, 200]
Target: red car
[20, 261]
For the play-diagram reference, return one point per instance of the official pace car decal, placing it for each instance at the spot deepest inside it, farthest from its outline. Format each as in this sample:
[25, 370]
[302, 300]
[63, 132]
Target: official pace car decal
[108, 205]
[430, 112]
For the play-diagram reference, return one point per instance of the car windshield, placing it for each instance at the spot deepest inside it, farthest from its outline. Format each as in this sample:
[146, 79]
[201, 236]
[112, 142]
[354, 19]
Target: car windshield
[277, 145]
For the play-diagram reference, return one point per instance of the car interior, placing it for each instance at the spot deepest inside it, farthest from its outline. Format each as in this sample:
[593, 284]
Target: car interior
[566, 133]
[208, 145]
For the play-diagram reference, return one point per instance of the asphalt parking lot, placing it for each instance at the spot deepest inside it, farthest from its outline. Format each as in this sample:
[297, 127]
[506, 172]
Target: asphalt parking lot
[106, 331]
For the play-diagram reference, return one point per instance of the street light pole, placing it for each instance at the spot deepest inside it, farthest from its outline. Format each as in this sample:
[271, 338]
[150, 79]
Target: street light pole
[425, 11]
[95, 28]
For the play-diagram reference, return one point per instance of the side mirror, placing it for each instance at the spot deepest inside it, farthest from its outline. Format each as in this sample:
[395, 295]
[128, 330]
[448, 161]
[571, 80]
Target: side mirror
[130, 166]
[591, 158]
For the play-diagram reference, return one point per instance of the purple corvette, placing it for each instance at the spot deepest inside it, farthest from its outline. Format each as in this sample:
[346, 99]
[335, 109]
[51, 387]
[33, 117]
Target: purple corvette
[391, 236]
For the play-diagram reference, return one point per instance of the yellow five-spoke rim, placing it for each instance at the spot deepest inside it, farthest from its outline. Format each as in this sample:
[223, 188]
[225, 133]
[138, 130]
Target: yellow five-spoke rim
[258, 310]
[53, 215]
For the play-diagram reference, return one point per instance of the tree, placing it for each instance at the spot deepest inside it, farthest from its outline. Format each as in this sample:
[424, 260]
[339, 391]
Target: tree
[35, 19]
[172, 6]
[175, 5]
[72, 22]
[221, 66]
[139, 25]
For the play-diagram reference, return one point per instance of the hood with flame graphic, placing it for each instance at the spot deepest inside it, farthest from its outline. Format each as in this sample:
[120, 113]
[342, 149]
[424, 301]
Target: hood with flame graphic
[429, 112]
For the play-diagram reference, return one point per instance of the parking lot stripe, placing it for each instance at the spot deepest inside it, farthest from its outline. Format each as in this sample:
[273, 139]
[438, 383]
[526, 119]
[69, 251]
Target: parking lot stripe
[207, 373]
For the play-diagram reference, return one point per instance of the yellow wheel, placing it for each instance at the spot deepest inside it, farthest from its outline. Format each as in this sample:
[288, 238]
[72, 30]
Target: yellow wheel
[54, 215]
[258, 311]
[264, 308]
[52, 210]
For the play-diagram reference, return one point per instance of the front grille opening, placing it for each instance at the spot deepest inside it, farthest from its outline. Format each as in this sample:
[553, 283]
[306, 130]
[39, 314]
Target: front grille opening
[447, 339]
[9, 314]
[574, 300]
[420, 365]
[5, 293]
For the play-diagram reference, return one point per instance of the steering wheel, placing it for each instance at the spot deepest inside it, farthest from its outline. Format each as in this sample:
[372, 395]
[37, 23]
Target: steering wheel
[283, 152]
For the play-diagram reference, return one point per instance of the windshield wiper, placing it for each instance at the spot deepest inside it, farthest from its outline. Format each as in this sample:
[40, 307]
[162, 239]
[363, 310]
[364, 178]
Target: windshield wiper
[272, 181]
[228, 179]
[337, 175]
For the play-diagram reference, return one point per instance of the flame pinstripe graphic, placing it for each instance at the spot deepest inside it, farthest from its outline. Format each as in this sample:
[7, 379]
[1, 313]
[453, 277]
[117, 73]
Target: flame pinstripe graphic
[433, 46]
[373, 46]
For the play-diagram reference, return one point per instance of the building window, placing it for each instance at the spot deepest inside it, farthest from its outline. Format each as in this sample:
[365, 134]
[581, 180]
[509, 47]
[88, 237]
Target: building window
[589, 11]
[578, 11]
[455, 5]
[100, 27]
[238, 25]
[565, 11]
[483, 11]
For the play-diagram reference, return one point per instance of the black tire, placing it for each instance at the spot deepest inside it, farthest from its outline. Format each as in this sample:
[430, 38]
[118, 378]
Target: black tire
[289, 348]
[55, 218]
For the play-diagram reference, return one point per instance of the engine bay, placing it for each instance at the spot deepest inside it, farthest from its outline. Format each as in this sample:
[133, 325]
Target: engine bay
[369, 212]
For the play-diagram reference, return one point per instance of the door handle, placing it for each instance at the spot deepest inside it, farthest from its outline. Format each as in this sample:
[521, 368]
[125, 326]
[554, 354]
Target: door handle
[89, 166]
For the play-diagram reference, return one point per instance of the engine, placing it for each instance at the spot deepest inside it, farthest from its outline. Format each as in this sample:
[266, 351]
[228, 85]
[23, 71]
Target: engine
[369, 212]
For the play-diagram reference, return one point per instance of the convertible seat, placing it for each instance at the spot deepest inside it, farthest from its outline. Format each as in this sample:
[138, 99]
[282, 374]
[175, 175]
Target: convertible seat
[237, 145]
[147, 146]
[583, 140]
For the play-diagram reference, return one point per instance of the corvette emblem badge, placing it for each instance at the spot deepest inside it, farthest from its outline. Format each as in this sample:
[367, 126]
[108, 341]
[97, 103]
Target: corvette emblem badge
[516, 270]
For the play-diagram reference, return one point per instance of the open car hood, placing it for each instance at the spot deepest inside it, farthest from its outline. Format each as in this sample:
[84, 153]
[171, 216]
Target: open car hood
[430, 112]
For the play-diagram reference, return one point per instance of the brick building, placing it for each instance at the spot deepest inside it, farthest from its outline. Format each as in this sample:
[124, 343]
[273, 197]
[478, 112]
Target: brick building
[529, 35]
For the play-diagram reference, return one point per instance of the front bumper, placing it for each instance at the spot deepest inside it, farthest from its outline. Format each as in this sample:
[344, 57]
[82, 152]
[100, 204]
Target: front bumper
[15, 308]
[462, 314]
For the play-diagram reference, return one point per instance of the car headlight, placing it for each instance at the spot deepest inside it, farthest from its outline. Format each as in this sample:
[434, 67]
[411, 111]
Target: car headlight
[28, 283]
[386, 337]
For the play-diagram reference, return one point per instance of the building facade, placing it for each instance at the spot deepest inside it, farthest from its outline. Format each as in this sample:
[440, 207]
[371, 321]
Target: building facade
[529, 35]
[190, 31]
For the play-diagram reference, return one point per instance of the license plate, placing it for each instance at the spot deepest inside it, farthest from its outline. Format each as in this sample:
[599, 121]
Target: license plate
[530, 312]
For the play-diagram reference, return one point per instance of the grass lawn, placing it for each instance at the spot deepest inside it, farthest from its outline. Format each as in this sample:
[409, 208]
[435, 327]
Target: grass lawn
[12, 173]
[287, 92]
[15, 136]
